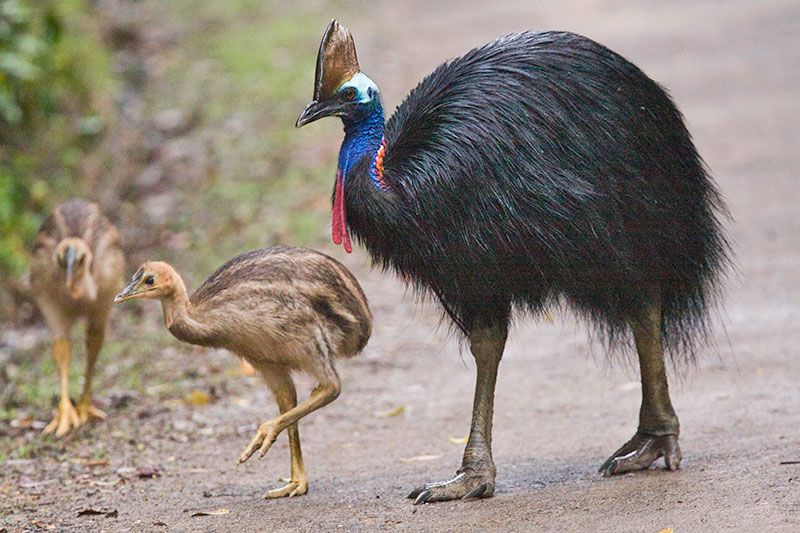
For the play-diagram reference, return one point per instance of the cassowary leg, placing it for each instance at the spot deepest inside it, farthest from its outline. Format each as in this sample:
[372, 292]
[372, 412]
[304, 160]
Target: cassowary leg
[323, 394]
[658, 431]
[286, 396]
[95, 334]
[475, 478]
[67, 418]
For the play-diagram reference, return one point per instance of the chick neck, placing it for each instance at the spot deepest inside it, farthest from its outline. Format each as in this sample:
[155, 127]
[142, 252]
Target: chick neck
[179, 315]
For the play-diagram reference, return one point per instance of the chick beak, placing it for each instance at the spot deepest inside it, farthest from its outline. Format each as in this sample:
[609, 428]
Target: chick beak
[69, 260]
[128, 292]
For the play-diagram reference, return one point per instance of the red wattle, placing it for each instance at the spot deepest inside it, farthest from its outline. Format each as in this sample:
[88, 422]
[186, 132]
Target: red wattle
[339, 222]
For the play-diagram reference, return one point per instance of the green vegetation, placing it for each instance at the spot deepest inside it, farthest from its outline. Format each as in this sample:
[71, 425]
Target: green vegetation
[52, 69]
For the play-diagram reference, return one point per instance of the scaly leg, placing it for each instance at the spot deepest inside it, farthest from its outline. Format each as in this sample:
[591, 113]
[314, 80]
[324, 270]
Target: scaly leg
[67, 417]
[657, 435]
[323, 394]
[475, 478]
[286, 396]
[94, 342]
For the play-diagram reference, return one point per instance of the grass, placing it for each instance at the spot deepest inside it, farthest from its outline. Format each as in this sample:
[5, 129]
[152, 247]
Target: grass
[252, 70]
[247, 69]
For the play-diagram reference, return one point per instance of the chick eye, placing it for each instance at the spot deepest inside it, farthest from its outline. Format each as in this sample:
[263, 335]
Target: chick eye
[349, 94]
[149, 281]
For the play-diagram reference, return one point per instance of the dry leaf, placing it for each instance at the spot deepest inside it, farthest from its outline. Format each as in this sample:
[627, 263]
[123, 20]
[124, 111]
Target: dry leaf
[246, 368]
[197, 397]
[457, 440]
[148, 472]
[399, 410]
[93, 462]
[94, 512]
[419, 458]
[666, 530]
[217, 512]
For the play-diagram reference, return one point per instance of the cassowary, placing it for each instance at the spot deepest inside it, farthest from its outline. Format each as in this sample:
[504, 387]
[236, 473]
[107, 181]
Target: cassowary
[281, 309]
[537, 169]
[76, 270]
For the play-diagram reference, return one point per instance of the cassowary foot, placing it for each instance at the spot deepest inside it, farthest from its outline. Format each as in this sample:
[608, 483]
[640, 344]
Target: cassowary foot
[87, 411]
[265, 437]
[293, 487]
[466, 485]
[641, 452]
[65, 421]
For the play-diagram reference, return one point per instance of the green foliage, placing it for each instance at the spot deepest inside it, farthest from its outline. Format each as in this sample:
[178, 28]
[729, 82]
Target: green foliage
[51, 66]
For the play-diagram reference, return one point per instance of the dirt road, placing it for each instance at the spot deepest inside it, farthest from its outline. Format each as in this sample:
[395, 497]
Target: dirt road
[734, 70]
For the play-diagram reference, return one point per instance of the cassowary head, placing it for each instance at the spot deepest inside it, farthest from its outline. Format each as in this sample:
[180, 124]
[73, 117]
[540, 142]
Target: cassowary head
[340, 88]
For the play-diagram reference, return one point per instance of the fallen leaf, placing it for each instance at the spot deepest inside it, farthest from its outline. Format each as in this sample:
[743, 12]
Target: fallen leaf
[666, 530]
[457, 440]
[246, 368]
[197, 397]
[217, 512]
[93, 462]
[399, 410]
[148, 472]
[95, 512]
[419, 458]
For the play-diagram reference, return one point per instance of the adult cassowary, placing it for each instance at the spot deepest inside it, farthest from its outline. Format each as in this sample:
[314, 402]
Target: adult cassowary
[539, 168]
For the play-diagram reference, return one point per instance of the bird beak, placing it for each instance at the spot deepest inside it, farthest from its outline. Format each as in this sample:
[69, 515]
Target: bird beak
[131, 291]
[317, 110]
[69, 259]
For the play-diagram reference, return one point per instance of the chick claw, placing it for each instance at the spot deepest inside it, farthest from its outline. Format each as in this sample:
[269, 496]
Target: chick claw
[65, 421]
[265, 437]
[292, 488]
[87, 411]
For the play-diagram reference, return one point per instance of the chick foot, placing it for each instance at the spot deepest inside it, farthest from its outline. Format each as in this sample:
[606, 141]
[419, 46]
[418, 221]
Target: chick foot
[87, 411]
[293, 487]
[265, 437]
[466, 485]
[65, 421]
[641, 452]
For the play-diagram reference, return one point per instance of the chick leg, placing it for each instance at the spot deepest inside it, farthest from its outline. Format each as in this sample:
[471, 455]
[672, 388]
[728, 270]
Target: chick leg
[67, 417]
[286, 396]
[95, 336]
[323, 394]
[475, 478]
[657, 435]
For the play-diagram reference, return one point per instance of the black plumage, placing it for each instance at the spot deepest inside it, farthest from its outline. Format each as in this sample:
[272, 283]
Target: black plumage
[541, 168]
[545, 165]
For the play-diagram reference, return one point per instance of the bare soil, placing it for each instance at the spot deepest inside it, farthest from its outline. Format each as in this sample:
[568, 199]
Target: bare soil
[734, 70]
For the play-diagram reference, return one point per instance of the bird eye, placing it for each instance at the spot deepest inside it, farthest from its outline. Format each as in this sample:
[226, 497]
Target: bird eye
[349, 94]
[149, 281]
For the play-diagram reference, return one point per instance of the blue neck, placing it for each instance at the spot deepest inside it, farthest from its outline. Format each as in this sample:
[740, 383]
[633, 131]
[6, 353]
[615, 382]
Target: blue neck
[363, 135]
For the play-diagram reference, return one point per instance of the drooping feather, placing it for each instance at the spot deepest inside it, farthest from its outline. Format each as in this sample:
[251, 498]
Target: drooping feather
[544, 166]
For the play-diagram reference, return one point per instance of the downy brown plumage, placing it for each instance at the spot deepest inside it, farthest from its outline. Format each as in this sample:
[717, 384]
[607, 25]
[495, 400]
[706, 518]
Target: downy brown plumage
[281, 309]
[76, 270]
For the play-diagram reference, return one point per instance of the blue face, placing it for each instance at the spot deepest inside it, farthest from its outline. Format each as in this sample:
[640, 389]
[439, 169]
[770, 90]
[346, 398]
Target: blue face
[360, 97]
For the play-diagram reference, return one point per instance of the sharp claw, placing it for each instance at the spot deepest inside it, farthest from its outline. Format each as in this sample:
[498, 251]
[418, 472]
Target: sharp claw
[414, 493]
[477, 492]
[423, 497]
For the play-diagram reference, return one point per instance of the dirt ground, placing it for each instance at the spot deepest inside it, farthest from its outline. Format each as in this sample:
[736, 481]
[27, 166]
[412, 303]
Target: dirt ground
[734, 70]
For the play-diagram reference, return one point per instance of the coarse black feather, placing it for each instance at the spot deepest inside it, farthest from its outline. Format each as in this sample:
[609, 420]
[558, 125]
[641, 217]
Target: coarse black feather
[545, 167]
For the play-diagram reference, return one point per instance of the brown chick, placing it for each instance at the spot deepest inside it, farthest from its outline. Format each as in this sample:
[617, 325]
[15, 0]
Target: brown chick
[76, 270]
[281, 309]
